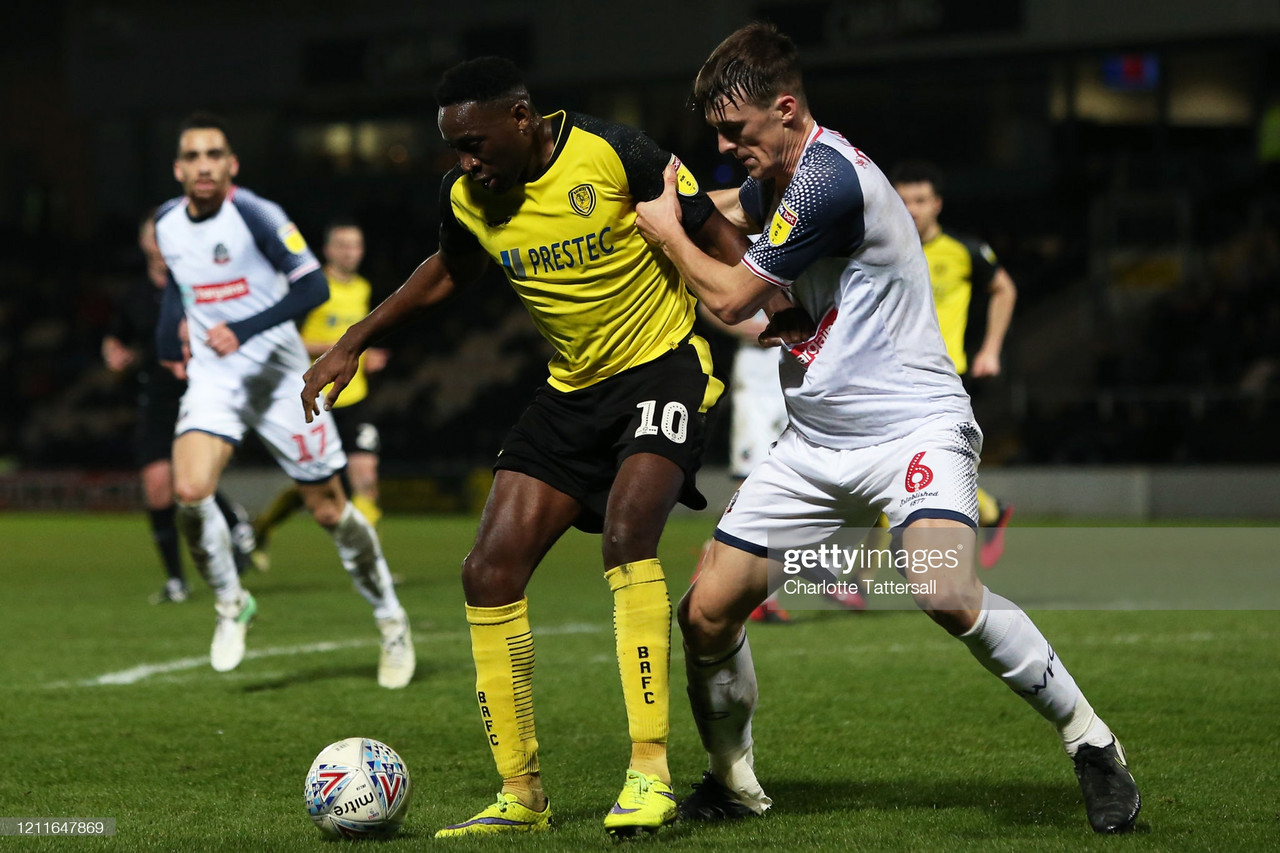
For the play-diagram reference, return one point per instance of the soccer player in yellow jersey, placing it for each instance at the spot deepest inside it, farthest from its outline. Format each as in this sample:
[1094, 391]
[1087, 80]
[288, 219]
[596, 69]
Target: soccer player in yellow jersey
[349, 299]
[957, 266]
[609, 444]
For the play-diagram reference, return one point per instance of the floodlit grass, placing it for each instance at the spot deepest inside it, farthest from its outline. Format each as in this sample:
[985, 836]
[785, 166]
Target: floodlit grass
[874, 732]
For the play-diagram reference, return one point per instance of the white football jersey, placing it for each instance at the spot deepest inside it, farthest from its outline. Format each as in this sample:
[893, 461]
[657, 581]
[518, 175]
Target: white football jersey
[230, 266]
[843, 242]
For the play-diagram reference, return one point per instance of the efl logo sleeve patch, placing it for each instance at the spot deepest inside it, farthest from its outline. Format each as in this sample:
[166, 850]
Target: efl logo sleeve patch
[292, 238]
[686, 183]
[783, 221]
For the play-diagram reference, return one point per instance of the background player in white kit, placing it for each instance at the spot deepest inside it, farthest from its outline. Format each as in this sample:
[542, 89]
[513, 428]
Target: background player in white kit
[878, 422]
[241, 273]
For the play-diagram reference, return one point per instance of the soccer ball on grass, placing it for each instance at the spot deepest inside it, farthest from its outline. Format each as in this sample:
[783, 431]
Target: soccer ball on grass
[358, 788]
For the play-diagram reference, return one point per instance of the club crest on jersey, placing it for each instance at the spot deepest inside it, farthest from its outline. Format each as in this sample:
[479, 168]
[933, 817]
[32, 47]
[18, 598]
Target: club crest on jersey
[582, 199]
[783, 221]
[220, 254]
[292, 238]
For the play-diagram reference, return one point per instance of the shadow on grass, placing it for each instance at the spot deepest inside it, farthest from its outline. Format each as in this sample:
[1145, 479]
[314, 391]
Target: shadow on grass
[316, 674]
[1011, 802]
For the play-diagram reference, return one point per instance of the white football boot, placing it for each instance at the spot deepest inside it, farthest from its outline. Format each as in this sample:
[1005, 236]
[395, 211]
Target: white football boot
[228, 637]
[398, 659]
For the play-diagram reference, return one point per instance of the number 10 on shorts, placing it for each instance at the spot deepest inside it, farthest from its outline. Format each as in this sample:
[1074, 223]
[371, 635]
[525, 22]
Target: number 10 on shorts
[675, 420]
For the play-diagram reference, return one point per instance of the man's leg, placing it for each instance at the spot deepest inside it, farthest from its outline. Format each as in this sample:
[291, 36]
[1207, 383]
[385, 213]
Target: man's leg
[361, 555]
[1005, 641]
[993, 518]
[284, 504]
[157, 487]
[362, 470]
[522, 519]
[198, 462]
[243, 541]
[643, 493]
[722, 680]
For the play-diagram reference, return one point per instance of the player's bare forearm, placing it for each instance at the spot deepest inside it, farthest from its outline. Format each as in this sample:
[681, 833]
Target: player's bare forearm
[721, 240]
[730, 206]
[732, 293]
[434, 280]
[747, 330]
[1004, 295]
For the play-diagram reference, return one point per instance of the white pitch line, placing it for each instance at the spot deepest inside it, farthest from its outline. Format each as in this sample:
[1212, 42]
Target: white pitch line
[137, 673]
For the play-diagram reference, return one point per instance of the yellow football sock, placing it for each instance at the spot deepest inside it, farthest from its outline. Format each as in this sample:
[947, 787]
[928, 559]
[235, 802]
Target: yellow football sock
[502, 646]
[988, 509]
[878, 539]
[285, 504]
[368, 508]
[642, 629]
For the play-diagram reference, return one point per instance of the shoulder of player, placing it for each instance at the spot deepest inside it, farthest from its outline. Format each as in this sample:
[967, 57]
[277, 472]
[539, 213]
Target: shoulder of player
[971, 244]
[253, 207]
[632, 148]
[612, 132]
[168, 208]
[825, 175]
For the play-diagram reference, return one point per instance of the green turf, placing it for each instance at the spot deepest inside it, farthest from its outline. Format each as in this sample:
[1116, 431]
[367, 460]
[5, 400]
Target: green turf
[874, 731]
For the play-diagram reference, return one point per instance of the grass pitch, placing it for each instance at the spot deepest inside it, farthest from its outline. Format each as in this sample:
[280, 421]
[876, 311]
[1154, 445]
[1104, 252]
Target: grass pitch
[874, 731]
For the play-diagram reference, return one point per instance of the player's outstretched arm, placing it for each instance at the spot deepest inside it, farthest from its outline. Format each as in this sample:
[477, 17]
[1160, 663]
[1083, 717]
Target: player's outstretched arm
[433, 280]
[731, 292]
[1004, 294]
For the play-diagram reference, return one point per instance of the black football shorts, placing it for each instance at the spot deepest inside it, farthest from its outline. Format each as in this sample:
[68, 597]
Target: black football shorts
[575, 441]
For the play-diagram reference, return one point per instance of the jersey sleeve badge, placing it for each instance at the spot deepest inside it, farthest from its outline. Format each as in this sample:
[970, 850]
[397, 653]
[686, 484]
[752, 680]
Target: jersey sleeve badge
[686, 183]
[783, 221]
[292, 238]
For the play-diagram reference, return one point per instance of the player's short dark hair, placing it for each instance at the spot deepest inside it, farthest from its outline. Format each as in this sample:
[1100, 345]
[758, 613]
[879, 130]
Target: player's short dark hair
[335, 224]
[752, 66]
[205, 121]
[480, 80]
[917, 172]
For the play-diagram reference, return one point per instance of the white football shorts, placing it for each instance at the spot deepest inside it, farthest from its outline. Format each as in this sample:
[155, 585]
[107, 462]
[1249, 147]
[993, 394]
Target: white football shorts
[224, 404]
[803, 493]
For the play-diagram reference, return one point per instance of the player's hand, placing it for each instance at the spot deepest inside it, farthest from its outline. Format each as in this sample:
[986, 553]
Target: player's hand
[336, 366]
[660, 219]
[375, 359]
[985, 364]
[177, 368]
[116, 355]
[222, 340]
[788, 327]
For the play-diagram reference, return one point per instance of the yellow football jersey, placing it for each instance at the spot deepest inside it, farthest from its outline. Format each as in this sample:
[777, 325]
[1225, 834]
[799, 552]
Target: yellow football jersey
[348, 303]
[956, 266]
[568, 243]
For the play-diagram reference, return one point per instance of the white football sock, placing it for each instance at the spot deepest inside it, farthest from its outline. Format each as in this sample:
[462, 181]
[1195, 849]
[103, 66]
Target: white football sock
[209, 541]
[1010, 646]
[723, 694]
[361, 556]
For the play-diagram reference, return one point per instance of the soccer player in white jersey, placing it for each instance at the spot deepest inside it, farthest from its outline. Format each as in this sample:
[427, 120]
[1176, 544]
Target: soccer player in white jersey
[878, 421]
[240, 275]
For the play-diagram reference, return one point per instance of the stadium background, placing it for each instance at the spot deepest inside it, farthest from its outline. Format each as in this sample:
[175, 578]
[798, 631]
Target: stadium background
[1123, 159]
